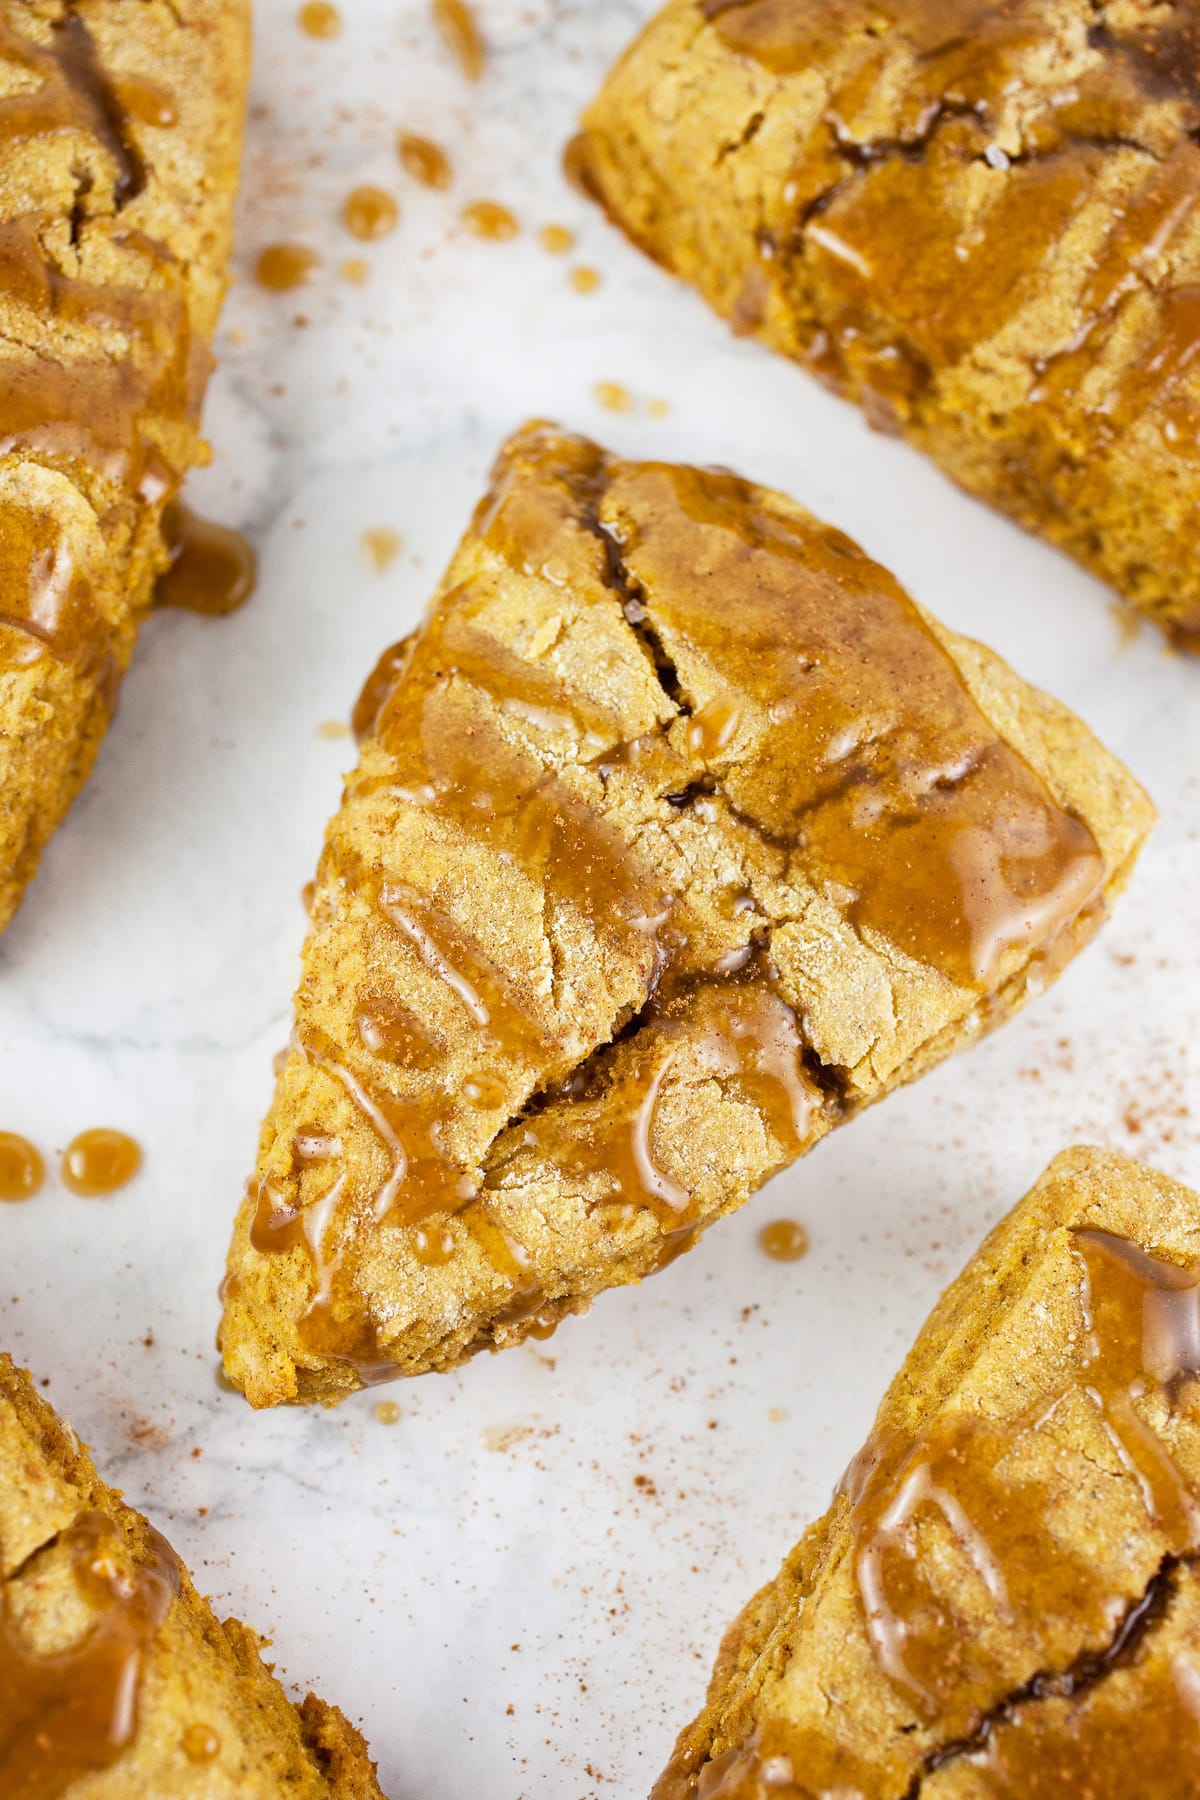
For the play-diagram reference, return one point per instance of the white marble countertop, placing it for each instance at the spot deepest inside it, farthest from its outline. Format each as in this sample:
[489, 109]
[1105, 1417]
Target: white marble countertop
[518, 1588]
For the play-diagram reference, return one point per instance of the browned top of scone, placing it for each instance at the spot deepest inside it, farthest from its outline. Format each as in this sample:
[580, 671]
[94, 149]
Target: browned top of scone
[113, 229]
[978, 218]
[120, 127]
[1003, 1599]
[116, 1681]
[978, 130]
[678, 832]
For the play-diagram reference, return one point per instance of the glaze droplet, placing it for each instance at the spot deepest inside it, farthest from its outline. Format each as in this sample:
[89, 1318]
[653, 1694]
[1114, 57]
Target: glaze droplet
[100, 1161]
[22, 1170]
[784, 1240]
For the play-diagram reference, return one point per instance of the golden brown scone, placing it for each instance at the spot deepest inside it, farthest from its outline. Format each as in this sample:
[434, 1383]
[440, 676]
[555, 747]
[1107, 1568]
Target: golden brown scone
[977, 218]
[116, 1680]
[1003, 1598]
[120, 129]
[679, 833]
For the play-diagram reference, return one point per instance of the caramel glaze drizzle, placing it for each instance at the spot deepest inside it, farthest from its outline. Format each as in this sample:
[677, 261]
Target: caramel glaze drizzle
[857, 206]
[70, 1713]
[844, 738]
[212, 569]
[75, 95]
[103, 418]
[1141, 1323]
[1142, 1320]
[862, 753]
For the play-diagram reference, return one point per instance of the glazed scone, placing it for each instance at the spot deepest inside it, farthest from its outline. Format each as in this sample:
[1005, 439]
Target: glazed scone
[679, 833]
[120, 129]
[1004, 1598]
[977, 218]
[118, 1683]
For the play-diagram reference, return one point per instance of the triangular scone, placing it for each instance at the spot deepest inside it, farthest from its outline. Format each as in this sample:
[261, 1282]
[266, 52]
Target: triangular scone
[116, 1680]
[1004, 1598]
[976, 218]
[120, 127]
[679, 833]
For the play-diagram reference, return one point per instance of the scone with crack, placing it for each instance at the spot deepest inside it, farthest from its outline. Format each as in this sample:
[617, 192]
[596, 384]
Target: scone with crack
[976, 218]
[120, 126]
[1004, 1598]
[679, 834]
[116, 1680]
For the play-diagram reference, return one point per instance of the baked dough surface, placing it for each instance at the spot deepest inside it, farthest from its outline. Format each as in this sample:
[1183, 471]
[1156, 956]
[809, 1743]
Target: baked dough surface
[679, 834]
[1004, 1598]
[118, 1682]
[120, 132]
[976, 218]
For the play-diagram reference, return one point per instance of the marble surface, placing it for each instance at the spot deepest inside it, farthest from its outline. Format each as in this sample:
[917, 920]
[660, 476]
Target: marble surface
[519, 1587]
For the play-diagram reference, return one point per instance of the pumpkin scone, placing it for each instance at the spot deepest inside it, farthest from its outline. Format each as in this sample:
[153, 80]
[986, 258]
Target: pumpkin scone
[976, 218]
[116, 1680]
[120, 130]
[679, 834]
[1004, 1598]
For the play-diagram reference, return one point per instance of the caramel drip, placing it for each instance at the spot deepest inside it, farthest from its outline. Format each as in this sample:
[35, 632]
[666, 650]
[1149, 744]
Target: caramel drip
[861, 748]
[320, 19]
[424, 160]
[557, 239]
[22, 1170]
[201, 1744]
[145, 101]
[69, 1713]
[616, 1141]
[486, 995]
[460, 32]
[369, 213]
[212, 569]
[379, 686]
[784, 1240]
[422, 1179]
[1142, 1340]
[390, 1030]
[382, 546]
[613, 397]
[488, 219]
[604, 1131]
[281, 267]
[99, 1162]
[577, 166]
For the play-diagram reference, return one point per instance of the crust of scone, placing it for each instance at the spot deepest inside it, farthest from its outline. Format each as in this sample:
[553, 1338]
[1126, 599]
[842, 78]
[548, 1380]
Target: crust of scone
[197, 1670]
[163, 246]
[873, 1016]
[999, 1337]
[738, 178]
